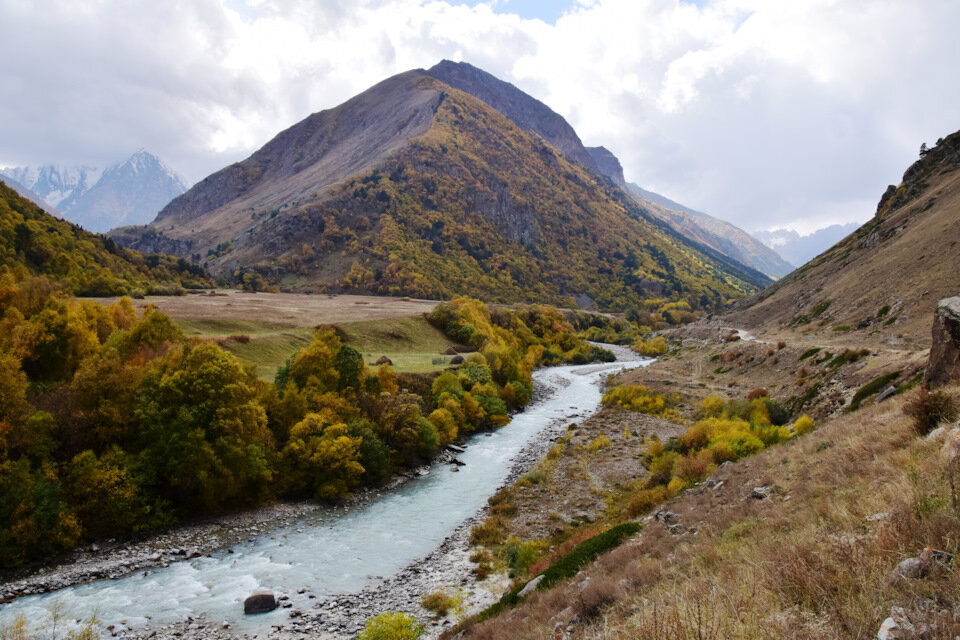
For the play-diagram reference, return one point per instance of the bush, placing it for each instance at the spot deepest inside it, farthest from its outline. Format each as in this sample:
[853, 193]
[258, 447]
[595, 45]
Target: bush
[930, 409]
[646, 499]
[595, 595]
[803, 425]
[392, 625]
[871, 388]
[586, 552]
[650, 348]
[440, 602]
[488, 533]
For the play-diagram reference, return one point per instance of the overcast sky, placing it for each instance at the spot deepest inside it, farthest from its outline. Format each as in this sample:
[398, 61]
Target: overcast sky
[766, 113]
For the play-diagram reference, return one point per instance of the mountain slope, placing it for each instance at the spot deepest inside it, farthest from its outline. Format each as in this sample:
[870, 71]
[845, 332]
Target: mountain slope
[29, 195]
[524, 110]
[130, 192]
[722, 236]
[35, 243]
[885, 279]
[717, 234]
[414, 187]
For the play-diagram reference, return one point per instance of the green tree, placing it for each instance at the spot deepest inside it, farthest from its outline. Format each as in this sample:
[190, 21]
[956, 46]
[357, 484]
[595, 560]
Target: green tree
[323, 458]
[204, 440]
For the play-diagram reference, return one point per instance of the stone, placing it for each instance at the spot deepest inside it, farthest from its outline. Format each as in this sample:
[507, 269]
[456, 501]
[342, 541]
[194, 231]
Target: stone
[886, 393]
[913, 568]
[760, 493]
[260, 601]
[456, 360]
[383, 360]
[530, 587]
[944, 363]
[897, 627]
[455, 448]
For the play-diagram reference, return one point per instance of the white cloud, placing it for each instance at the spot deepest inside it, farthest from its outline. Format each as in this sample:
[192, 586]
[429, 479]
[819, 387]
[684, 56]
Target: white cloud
[763, 113]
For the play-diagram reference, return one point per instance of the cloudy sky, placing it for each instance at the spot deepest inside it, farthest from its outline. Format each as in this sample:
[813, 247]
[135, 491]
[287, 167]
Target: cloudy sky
[767, 113]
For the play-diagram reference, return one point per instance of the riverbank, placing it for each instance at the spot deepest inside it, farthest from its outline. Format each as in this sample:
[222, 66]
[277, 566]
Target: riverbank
[447, 566]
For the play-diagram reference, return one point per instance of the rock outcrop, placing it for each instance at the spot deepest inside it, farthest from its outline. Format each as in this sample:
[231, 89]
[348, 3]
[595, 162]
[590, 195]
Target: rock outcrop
[944, 364]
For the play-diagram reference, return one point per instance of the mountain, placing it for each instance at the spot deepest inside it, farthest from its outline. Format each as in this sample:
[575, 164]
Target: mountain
[30, 195]
[532, 115]
[800, 249]
[35, 243]
[717, 234]
[722, 236]
[131, 192]
[885, 279]
[415, 187]
[524, 110]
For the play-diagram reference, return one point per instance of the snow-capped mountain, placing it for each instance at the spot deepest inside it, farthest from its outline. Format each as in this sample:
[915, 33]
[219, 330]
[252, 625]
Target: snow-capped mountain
[131, 192]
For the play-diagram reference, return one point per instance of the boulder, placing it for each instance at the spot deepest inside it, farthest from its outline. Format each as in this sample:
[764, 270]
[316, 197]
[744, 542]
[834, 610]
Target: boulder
[260, 601]
[889, 392]
[456, 360]
[530, 587]
[914, 568]
[944, 364]
[760, 493]
[383, 360]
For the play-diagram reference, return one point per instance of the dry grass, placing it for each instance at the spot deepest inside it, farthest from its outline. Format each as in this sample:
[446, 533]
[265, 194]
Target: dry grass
[814, 560]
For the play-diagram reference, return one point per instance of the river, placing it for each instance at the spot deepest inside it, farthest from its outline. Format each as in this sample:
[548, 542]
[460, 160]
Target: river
[332, 551]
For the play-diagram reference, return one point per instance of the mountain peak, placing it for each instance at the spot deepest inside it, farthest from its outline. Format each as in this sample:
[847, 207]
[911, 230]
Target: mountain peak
[524, 110]
[129, 192]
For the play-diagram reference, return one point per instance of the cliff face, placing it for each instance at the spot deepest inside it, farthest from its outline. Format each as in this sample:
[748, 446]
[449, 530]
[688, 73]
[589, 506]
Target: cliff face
[944, 365]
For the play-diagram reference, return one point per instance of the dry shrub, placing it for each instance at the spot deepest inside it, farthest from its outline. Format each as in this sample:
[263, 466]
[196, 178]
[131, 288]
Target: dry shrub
[595, 596]
[490, 532]
[930, 409]
[646, 499]
[686, 617]
[439, 602]
[758, 393]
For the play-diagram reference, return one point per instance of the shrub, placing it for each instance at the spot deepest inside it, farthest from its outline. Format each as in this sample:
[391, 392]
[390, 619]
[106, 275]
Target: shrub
[646, 499]
[392, 625]
[599, 442]
[930, 409]
[871, 388]
[585, 552]
[803, 425]
[758, 393]
[594, 596]
[488, 533]
[650, 348]
[636, 397]
[440, 602]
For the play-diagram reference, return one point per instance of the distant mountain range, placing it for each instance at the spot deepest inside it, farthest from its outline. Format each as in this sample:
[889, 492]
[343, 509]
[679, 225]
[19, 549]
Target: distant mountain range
[436, 183]
[713, 232]
[801, 249]
[98, 199]
[886, 276]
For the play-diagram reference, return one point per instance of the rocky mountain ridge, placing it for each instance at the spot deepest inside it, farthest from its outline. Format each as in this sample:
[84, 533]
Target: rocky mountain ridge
[99, 199]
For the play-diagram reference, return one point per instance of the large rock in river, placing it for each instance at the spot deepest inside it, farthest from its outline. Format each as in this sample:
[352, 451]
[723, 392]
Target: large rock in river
[260, 601]
[944, 364]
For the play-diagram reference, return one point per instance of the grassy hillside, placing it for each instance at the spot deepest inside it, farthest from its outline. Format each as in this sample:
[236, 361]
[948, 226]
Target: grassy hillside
[477, 205]
[881, 283]
[33, 242]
